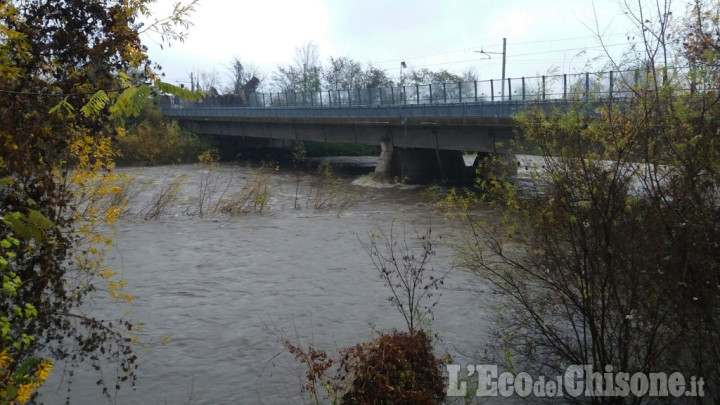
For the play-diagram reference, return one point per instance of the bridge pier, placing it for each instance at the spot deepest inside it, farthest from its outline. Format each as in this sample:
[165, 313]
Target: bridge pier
[420, 166]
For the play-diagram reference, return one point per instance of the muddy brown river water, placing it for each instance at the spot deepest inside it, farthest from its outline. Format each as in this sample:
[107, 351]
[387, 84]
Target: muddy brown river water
[224, 287]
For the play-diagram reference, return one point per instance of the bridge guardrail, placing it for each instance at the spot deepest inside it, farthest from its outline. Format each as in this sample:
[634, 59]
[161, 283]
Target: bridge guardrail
[568, 87]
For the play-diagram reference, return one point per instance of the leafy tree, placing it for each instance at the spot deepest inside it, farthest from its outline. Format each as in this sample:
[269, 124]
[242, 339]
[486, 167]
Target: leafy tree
[469, 75]
[427, 76]
[376, 77]
[700, 36]
[343, 73]
[66, 90]
[304, 74]
[418, 77]
[614, 261]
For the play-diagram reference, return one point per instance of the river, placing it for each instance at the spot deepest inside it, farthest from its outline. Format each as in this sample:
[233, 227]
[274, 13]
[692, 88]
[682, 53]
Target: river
[224, 288]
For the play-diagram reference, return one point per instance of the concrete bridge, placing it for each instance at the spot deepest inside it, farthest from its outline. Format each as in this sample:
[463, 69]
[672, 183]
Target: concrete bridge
[422, 130]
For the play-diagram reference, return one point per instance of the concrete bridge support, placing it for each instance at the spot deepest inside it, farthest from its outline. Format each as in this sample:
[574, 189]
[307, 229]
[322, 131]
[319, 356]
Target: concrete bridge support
[421, 166]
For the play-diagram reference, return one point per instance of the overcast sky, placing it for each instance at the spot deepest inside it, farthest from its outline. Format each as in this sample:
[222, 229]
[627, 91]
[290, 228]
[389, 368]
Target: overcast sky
[437, 34]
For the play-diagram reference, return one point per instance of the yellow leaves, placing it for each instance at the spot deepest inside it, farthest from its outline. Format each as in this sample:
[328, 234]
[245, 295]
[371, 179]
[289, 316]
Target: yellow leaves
[209, 157]
[165, 340]
[107, 273]
[92, 155]
[112, 214]
[5, 360]
[24, 392]
[44, 368]
[134, 54]
[10, 390]
[101, 198]
[113, 289]
[116, 291]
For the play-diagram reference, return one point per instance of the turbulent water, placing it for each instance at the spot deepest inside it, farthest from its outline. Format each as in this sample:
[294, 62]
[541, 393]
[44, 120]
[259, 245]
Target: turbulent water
[225, 288]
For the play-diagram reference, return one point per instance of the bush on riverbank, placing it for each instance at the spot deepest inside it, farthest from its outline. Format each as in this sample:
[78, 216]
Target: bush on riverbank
[151, 139]
[396, 367]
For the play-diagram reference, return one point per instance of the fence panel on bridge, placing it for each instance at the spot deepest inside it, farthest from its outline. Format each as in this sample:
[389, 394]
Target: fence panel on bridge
[506, 93]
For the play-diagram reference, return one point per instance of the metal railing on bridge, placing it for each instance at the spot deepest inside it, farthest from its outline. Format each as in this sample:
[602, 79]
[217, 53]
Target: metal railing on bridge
[550, 90]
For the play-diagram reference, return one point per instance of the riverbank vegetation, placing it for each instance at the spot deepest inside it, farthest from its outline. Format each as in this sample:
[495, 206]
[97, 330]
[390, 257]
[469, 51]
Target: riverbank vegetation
[151, 139]
[64, 93]
[615, 262]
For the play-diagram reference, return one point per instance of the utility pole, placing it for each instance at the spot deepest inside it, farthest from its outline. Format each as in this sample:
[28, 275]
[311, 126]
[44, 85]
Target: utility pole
[402, 81]
[504, 57]
[502, 88]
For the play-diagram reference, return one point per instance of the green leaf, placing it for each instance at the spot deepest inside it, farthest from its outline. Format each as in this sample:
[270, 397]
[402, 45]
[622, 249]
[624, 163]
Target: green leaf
[11, 391]
[124, 79]
[31, 226]
[130, 102]
[28, 364]
[39, 220]
[27, 339]
[122, 104]
[30, 311]
[138, 100]
[179, 91]
[5, 322]
[96, 104]
[63, 106]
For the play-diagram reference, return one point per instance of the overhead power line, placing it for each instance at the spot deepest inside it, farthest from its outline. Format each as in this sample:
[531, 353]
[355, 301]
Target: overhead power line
[498, 45]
